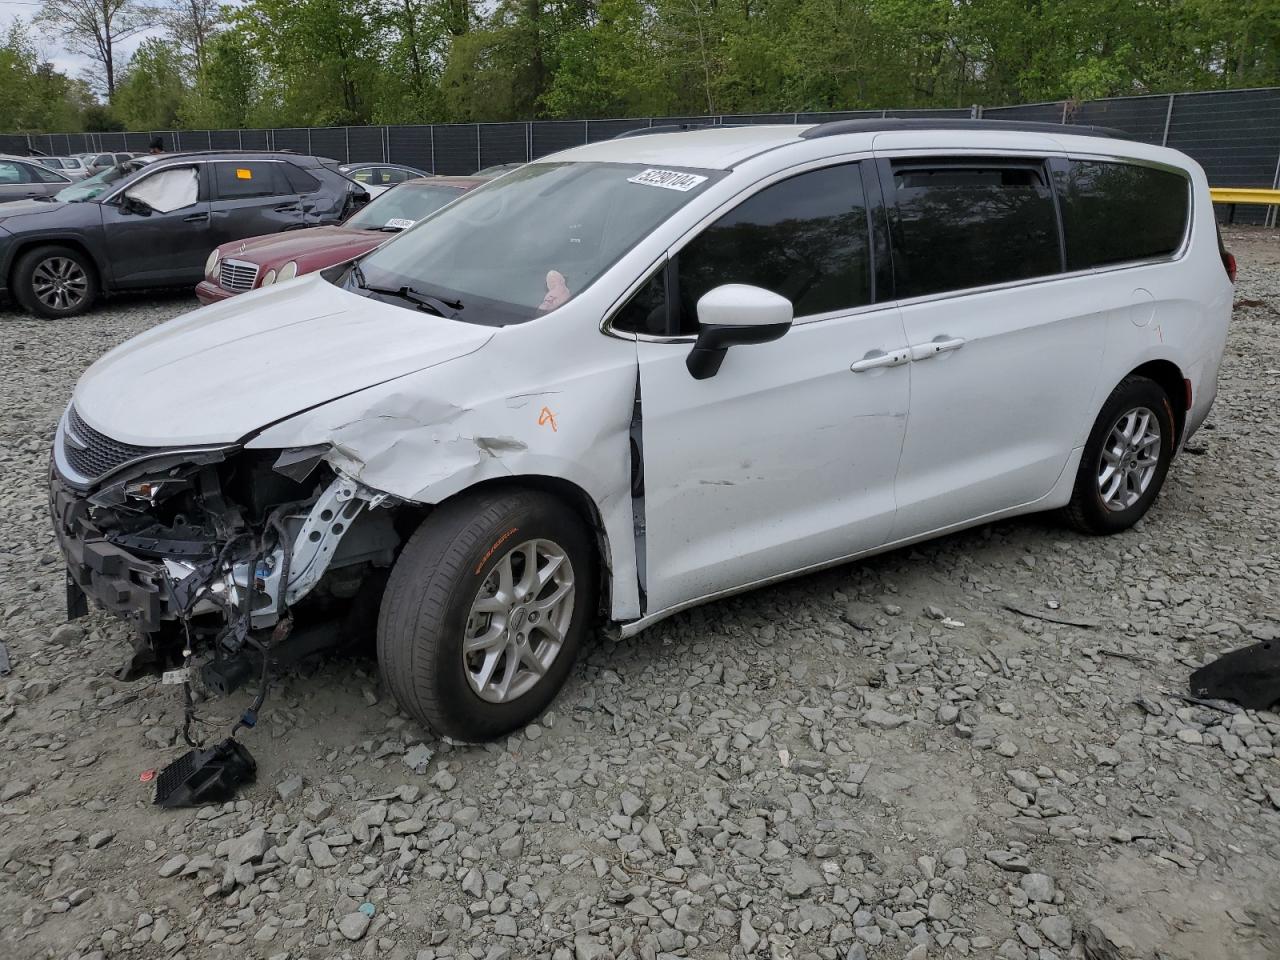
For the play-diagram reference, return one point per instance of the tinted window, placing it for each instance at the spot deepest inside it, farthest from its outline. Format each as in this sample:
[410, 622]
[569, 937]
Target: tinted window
[804, 238]
[45, 175]
[646, 311]
[299, 180]
[11, 172]
[250, 178]
[1113, 212]
[962, 225]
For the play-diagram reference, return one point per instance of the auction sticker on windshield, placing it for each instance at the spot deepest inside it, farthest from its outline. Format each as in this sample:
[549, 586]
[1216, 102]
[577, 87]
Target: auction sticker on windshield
[667, 179]
[400, 224]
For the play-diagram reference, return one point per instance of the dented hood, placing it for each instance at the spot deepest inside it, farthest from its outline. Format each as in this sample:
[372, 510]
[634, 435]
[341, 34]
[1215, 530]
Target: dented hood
[220, 373]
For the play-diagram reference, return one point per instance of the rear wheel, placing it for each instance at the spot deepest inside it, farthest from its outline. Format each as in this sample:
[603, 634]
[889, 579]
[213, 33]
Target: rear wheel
[1125, 460]
[485, 611]
[55, 281]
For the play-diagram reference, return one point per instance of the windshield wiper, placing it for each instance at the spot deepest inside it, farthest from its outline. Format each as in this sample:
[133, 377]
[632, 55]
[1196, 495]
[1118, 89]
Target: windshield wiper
[423, 301]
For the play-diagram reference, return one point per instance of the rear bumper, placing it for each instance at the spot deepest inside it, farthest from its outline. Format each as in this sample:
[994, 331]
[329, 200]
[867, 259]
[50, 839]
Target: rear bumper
[208, 293]
[131, 588]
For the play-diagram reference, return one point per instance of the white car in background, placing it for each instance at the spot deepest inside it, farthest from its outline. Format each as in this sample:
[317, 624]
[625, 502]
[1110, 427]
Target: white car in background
[645, 373]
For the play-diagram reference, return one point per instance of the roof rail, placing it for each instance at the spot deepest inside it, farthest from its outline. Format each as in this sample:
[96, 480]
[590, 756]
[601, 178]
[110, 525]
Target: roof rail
[836, 128]
[672, 128]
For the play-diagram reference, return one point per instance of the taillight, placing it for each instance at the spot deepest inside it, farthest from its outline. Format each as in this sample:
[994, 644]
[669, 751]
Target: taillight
[1229, 262]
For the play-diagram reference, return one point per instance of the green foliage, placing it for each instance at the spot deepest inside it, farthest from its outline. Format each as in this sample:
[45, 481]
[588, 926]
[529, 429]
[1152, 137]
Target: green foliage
[151, 92]
[317, 62]
[34, 96]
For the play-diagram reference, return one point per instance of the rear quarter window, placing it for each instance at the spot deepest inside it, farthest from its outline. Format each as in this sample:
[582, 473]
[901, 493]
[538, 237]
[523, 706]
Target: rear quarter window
[1114, 212]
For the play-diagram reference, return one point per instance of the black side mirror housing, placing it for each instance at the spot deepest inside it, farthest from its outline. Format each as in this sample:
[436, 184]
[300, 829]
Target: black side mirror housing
[733, 315]
[133, 205]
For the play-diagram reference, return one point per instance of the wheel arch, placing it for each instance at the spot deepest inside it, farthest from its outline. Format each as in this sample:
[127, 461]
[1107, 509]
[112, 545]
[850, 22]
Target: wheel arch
[1170, 378]
[574, 497]
[24, 247]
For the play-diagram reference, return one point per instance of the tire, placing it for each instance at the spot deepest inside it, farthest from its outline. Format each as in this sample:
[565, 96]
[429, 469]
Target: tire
[1101, 505]
[55, 281]
[456, 558]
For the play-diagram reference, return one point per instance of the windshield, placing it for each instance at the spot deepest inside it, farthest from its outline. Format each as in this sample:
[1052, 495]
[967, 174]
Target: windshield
[403, 207]
[529, 242]
[99, 183]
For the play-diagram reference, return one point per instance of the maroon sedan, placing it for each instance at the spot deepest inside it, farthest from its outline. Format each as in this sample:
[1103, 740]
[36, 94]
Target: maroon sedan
[259, 261]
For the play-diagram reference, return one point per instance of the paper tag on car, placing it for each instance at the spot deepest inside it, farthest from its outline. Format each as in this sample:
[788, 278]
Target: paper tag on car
[400, 224]
[667, 179]
[176, 676]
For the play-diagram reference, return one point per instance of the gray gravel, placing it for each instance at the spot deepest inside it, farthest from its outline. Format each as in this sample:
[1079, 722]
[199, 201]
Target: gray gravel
[911, 756]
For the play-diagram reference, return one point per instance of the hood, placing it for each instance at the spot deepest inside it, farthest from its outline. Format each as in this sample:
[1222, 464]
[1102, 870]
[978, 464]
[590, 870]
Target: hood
[266, 250]
[222, 372]
[20, 208]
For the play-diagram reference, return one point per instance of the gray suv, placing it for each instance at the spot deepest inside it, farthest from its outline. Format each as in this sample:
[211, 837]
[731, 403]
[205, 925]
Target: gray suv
[152, 223]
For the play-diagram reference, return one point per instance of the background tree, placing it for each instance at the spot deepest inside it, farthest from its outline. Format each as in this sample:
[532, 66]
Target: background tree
[191, 24]
[95, 29]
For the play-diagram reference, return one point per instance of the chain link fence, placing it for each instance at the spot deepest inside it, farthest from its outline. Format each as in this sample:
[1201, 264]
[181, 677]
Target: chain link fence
[1233, 134]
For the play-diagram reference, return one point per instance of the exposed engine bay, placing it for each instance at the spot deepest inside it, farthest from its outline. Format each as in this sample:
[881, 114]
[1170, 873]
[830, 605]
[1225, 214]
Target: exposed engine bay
[208, 550]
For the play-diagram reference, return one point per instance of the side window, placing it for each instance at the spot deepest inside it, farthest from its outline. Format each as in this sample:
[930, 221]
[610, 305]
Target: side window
[168, 190]
[45, 175]
[11, 172]
[243, 179]
[805, 238]
[299, 180]
[1114, 212]
[392, 175]
[104, 160]
[646, 311]
[963, 224]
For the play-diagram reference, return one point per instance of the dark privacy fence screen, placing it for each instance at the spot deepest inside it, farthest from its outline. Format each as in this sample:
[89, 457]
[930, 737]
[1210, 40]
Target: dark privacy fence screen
[1234, 134]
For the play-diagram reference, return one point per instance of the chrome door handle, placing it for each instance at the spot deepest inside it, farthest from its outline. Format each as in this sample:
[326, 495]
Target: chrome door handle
[923, 351]
[876, 359]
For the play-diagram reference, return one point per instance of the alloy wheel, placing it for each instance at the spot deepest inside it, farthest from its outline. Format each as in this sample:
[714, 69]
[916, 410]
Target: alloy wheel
[518, 621]
[1130, 456]
[60, 283]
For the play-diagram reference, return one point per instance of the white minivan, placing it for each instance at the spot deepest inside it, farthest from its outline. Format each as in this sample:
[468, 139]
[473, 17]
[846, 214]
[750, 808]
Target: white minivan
[639, 375]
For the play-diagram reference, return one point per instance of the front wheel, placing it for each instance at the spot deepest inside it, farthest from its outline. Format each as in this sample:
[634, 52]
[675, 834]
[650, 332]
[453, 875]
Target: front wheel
[1125, 460]
[54, 282]
[485, 611]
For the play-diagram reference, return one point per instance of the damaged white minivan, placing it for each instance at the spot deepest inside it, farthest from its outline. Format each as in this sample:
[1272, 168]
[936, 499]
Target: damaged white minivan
[639, 375]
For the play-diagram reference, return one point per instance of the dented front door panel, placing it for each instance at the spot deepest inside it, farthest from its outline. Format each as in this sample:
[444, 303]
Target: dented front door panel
[783, 460]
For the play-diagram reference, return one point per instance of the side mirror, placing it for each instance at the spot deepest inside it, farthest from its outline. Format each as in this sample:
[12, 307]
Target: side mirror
[130, 204]
[732, 315]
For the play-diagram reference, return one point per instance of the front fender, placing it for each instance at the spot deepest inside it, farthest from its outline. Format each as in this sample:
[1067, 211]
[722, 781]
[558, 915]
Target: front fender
[408, 439]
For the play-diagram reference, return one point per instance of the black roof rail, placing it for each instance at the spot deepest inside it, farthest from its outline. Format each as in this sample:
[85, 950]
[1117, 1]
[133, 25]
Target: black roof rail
[673, 128]
[836, 128]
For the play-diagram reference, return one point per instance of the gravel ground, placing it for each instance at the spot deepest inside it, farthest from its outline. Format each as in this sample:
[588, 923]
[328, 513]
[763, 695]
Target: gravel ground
[972, 748]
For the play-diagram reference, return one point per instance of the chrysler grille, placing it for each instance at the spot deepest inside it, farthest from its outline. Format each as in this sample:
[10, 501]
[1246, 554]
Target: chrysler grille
[236, 275]
[91, 454]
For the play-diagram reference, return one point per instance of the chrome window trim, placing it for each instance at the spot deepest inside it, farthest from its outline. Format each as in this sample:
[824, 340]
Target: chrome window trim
[1039, 155]
[155, 167]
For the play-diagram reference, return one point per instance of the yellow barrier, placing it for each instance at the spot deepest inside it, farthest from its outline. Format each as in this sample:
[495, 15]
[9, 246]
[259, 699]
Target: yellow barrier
[1244, 195]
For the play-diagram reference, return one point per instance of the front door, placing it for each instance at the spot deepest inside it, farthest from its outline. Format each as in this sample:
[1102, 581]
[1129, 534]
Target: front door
[163, 238]
[1005, 357]
[786, 458]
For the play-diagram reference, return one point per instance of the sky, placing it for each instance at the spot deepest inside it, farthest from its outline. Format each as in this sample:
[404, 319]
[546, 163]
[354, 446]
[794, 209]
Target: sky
[11, 10]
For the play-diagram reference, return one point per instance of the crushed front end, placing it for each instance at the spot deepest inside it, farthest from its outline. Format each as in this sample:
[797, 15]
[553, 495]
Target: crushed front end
[207, 548]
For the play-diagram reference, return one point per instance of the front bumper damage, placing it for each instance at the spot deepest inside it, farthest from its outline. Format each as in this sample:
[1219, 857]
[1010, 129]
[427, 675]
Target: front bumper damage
[212, 544]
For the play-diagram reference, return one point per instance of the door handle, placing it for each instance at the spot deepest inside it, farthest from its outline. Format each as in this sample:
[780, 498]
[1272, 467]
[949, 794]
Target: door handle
[195, 218]
[288, 207]
[876, 359]
[923, 351]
